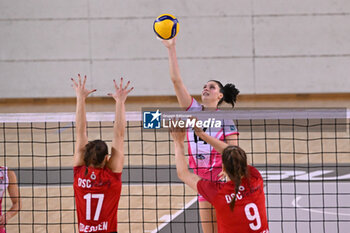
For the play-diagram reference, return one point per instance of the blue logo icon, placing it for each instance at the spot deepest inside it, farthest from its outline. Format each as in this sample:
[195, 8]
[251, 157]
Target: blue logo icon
[151, 120]
[200, 157]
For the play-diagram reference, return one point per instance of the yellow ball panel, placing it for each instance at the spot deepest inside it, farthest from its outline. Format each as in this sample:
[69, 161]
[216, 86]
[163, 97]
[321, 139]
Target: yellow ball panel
[164, 27]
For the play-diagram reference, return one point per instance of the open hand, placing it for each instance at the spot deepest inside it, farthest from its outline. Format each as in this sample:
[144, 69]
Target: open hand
[121, 93]
[80, 89]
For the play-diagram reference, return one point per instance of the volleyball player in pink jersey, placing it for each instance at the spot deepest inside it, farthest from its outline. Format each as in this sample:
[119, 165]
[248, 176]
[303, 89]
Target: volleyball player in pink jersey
[240, 201]
[8, 181]
[97, 176]
[204, 159]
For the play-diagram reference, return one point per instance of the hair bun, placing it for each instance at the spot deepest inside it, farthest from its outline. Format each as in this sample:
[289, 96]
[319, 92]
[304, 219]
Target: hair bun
[230, 93]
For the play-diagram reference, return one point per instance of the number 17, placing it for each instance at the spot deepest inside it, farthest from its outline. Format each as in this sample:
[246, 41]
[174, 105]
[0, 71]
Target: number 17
[88, 197]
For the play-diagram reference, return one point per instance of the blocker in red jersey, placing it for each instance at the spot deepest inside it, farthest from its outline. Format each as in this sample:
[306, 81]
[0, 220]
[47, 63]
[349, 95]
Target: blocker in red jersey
[97, 176]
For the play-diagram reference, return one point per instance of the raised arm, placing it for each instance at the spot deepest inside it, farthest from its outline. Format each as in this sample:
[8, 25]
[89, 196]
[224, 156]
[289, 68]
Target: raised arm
[80, 120]
[182, 94]
[116, 162]
[189, 178]
[15, 199]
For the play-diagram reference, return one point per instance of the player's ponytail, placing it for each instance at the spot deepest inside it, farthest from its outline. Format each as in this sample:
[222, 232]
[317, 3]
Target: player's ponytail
[229, 91]
[95, 152]
[236, 167]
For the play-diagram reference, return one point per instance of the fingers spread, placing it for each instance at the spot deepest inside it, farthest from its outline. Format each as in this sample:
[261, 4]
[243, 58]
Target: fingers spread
[74, 82]
[92, 91]
[127, 84]
[121, 83]
[130, 90]
[79, 79]
[115, 85]
[84, 81]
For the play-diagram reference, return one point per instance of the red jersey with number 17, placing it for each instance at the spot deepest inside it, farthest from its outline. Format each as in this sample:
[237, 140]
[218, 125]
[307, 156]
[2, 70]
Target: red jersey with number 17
[249, 213]
[97, 197]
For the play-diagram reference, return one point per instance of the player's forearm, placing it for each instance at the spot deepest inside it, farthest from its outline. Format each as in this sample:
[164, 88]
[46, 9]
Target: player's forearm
[218, 145]
[183, 97]
[119, 121]
[80, 117]
[116, 161]
[180, 161]
[174, 66]
[183, 173]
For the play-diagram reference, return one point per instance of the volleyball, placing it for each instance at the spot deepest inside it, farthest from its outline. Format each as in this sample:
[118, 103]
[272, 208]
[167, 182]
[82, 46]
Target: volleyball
[166, 26]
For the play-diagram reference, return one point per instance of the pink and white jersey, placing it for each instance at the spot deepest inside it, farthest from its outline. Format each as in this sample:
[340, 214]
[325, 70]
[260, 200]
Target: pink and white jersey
[203, 158]
[4, 182]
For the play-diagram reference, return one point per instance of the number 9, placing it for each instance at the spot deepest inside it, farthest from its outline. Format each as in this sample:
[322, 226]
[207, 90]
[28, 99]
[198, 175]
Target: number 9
[253, 217]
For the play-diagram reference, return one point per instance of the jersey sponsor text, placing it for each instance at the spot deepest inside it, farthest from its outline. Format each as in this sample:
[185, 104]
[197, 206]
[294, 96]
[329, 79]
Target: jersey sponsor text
[103, 226]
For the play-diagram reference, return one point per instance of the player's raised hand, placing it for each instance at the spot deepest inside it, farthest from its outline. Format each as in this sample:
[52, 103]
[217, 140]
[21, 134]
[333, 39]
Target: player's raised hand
[80, 89]
[121, 93]
[169, 43]
[178, 133]
[196, 128]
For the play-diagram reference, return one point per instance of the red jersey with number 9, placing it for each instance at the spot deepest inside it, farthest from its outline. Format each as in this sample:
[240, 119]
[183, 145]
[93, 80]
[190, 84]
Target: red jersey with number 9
[249, 213]
[97, 197]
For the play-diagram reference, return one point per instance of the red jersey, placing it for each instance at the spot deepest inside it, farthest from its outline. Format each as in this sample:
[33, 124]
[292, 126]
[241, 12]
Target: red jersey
[97, 197]
[249, 214]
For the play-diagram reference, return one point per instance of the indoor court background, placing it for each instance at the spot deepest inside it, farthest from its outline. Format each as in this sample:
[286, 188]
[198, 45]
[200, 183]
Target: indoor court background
[279, 54]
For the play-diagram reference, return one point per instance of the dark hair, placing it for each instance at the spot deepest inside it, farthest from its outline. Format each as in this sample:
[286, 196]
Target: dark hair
[95, 153]
[229, 91]
[236, 166]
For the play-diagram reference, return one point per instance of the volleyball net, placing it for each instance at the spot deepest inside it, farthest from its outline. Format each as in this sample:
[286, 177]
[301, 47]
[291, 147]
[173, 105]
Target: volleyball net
[303, 156]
